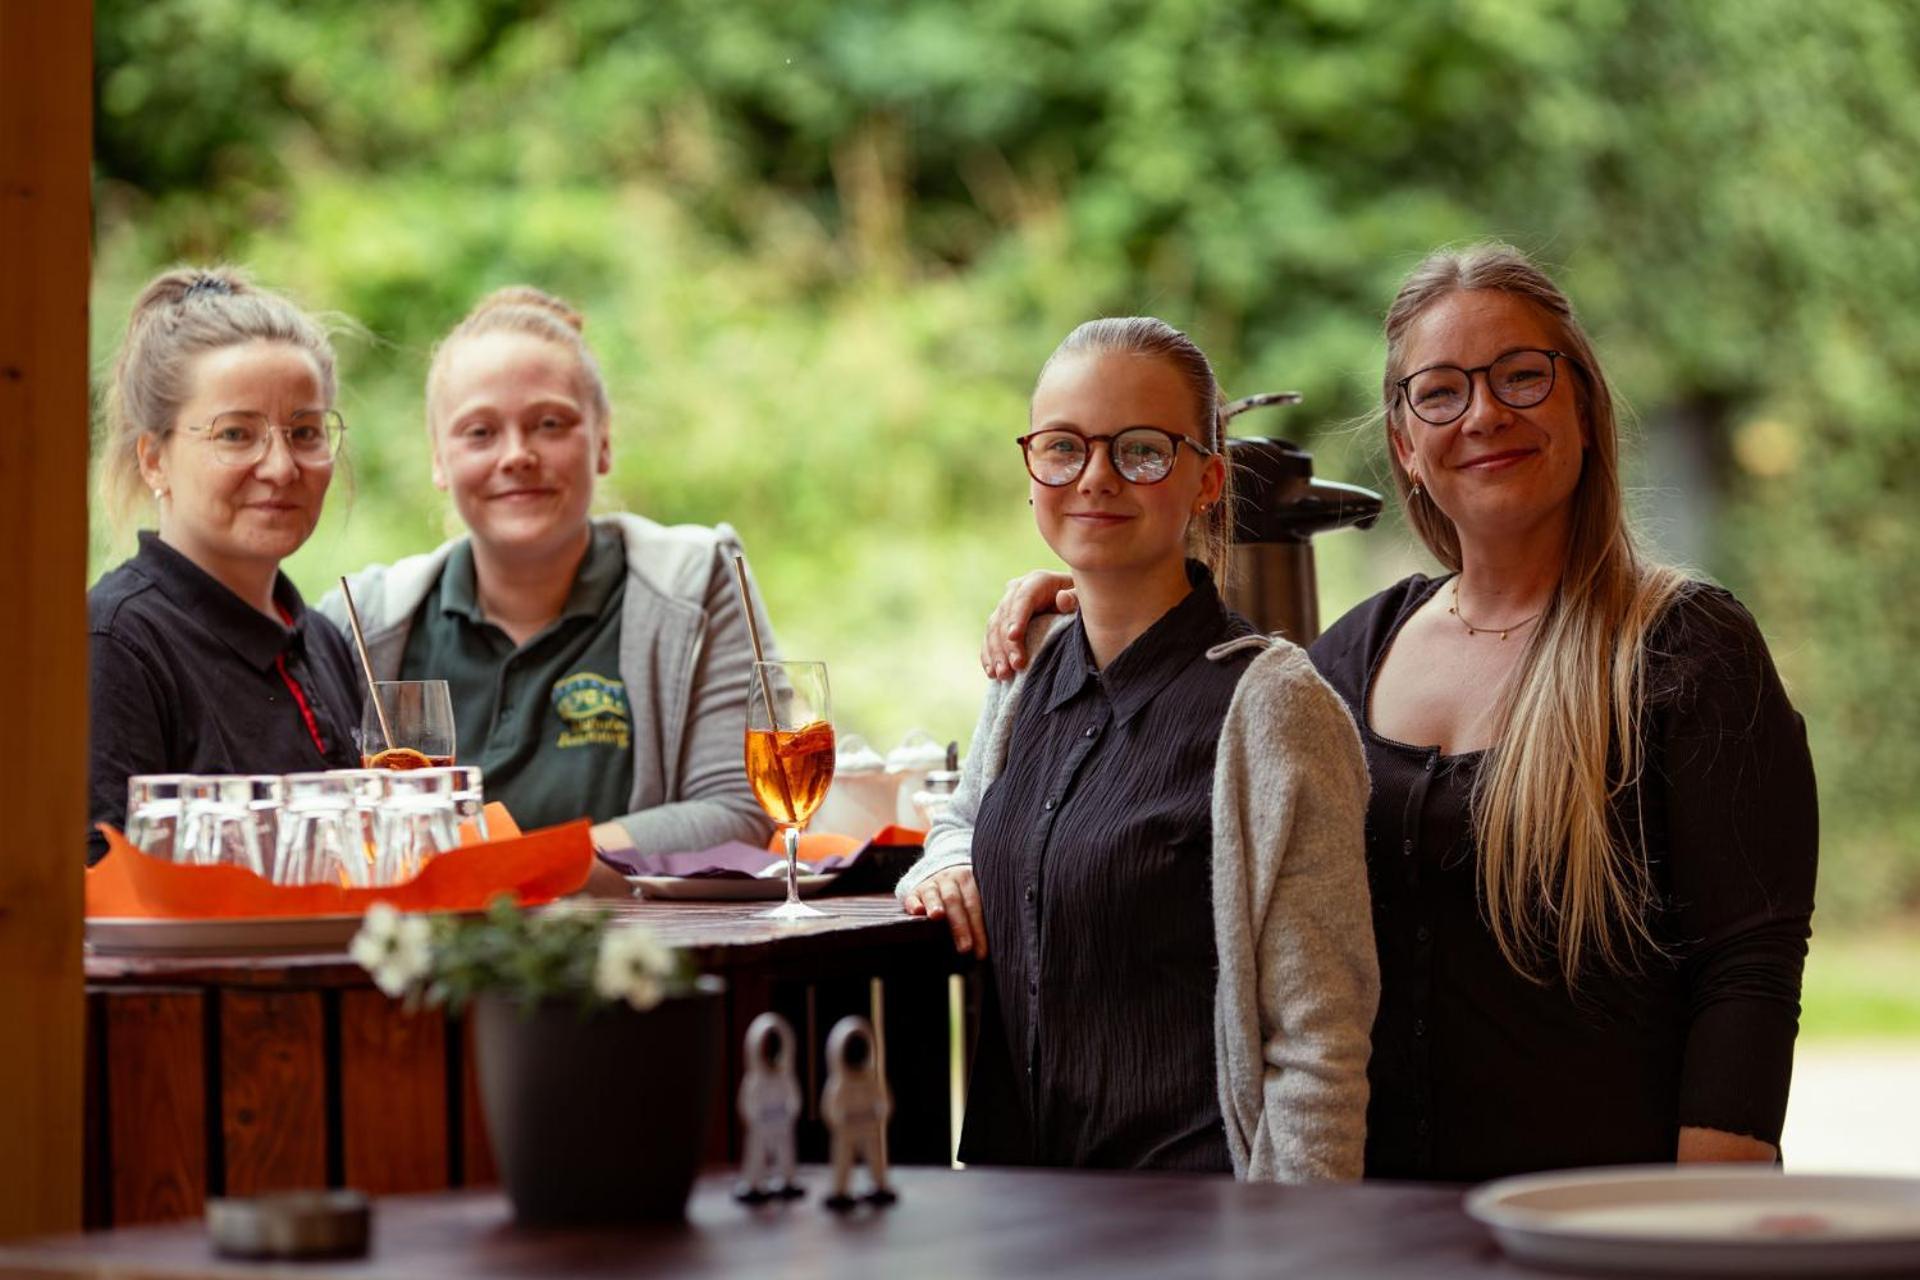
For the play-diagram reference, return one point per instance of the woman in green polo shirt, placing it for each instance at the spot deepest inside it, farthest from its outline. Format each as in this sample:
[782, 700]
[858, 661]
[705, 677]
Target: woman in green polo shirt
[598, 666]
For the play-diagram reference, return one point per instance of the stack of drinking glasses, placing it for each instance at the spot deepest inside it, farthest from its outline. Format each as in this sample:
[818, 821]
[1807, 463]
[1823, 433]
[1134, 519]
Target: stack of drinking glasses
[356, 828]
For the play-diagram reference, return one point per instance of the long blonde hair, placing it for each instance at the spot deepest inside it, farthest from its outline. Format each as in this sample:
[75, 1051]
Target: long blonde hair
[1209, 535]
[1558, 878]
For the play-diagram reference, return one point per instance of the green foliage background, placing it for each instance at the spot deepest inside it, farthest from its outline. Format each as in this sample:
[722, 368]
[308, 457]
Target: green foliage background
[825, 244]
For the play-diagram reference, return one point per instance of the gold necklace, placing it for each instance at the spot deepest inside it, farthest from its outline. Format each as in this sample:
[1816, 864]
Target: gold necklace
[1472, 630]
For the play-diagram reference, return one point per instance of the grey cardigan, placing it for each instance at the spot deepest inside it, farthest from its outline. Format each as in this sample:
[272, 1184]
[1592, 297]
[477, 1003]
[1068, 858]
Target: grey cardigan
[685, 657]
[1298, 980]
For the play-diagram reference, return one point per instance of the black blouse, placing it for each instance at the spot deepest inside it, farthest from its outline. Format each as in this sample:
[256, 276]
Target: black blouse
[1092, 852]
[1479, 1072]
[186, 677]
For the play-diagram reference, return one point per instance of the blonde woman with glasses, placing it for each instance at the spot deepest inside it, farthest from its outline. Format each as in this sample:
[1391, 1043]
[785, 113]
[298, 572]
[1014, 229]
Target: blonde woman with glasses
[204, 657]
[1155, 847]
[1593, 834]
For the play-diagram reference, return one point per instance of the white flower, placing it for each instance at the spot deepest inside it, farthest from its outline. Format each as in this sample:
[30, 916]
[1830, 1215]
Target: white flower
[394, 948]
[632, 967]
[376, 935]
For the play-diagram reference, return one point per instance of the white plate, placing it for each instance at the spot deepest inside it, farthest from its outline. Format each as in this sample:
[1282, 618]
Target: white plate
[723, 888]
[134, 936]
[1715, 1220]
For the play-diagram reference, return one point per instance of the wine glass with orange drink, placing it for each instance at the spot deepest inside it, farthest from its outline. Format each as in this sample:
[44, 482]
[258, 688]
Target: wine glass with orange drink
[410, 728]
[790, 758]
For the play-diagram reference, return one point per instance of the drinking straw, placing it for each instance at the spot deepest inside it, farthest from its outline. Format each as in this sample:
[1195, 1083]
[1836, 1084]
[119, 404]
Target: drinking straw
[753, 623]
[759, 656]
[366, 665]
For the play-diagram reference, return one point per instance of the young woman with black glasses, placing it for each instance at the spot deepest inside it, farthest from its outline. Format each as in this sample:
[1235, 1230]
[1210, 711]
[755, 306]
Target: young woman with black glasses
[1593, 832]
[1156, 845]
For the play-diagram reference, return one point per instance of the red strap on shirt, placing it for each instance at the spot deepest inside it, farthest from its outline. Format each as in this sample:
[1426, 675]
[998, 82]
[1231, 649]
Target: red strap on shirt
[299, 694]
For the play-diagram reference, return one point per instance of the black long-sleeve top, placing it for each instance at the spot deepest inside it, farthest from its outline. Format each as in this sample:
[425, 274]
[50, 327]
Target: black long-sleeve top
[1093, 854]
[1479, 1072]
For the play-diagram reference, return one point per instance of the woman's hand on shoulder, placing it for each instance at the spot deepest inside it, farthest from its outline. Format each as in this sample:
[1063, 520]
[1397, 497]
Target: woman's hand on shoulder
[952, 895]
[1004, 651]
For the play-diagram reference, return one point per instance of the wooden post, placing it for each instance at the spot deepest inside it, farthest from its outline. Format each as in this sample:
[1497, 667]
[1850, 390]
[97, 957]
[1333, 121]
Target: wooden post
[46, 72]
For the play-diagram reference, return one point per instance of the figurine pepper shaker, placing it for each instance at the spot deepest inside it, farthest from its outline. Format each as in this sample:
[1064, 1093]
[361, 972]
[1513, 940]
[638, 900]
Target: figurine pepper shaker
[769, 1105]
[856, 1106]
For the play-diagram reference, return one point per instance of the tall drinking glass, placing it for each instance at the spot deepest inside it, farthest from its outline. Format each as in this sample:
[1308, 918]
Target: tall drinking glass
[220, 821]
[421, 823]
[370, 792]
[470, 797]
[790, 758]
[153, 813]
[320, 840]
[266, 799]
[420, 717]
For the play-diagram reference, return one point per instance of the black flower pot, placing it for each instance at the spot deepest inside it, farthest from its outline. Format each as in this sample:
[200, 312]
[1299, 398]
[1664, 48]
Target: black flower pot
[599, 1117]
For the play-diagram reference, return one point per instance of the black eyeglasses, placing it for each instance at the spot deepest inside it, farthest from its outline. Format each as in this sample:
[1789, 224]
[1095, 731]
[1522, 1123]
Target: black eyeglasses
[1140, 455]
[1442, 393]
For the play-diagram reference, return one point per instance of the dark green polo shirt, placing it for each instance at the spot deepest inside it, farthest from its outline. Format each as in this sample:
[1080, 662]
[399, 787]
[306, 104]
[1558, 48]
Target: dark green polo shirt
[549, 722]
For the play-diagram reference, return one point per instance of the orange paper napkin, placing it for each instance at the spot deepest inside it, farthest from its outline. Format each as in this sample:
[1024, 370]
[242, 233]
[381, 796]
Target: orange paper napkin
[820, 845]
[535, 868]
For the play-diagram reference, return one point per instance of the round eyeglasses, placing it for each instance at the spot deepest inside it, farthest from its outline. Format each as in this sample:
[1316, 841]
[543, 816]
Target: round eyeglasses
[242, 439]
[1442, 393]
[1140, 455]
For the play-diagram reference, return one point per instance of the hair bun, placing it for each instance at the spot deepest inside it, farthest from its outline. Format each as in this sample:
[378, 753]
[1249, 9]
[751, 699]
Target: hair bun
[525, 295]
[185, 284]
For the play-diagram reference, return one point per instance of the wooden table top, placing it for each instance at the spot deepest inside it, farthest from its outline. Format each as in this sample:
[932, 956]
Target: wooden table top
[720, 936]
[974, 1223]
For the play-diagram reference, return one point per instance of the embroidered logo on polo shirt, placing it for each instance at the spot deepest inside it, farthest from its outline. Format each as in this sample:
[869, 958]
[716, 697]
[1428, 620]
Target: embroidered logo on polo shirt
[593, 710]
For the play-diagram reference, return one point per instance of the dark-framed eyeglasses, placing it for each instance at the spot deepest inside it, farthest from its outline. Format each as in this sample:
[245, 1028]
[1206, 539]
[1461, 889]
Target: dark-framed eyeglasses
[241, 438]
[1442, 393]
[1140, 455]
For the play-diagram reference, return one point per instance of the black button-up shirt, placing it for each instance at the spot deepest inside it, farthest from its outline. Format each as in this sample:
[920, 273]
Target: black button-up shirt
[1093, 857]
[186, 677]
[1477, 1071]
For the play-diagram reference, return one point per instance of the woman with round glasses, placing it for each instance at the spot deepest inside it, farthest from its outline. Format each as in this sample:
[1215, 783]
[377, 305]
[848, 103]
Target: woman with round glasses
[1156, 842]
[598, 666]
[1592, 837]
[204, 658]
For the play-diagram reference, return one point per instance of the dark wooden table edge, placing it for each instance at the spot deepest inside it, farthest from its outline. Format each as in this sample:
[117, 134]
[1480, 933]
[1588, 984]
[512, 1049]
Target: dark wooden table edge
[486, 1239]
[929, 940]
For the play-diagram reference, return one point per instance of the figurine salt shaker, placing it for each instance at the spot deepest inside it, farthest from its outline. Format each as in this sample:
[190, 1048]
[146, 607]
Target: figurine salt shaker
[769, 1106]
[855, 1105]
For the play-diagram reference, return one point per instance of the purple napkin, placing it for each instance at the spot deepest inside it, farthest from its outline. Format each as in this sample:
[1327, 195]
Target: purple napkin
[733, 860]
